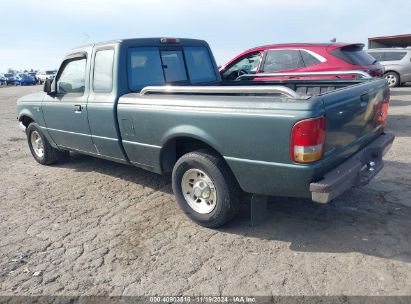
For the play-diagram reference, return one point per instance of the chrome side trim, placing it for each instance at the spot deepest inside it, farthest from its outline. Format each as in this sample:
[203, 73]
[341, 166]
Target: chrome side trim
[327, 73]
[221, 90]
[141, 144]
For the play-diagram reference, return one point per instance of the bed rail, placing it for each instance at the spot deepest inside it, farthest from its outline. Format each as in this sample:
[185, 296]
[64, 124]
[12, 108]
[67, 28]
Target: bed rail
[221, 90]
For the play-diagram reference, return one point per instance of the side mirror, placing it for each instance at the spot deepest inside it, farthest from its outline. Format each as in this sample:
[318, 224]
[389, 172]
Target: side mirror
[47, 87]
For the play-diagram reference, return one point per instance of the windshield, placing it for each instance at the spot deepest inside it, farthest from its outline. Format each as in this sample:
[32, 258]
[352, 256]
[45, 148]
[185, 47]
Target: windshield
[8, 75]
[354, 54]
[152, 66]
[50, 72]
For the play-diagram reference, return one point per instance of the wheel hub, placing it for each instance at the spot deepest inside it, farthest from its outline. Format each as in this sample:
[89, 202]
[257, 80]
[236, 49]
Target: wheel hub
[199, 191]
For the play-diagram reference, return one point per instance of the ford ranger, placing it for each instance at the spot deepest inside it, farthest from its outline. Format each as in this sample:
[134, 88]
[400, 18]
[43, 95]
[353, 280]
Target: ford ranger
[160, 104]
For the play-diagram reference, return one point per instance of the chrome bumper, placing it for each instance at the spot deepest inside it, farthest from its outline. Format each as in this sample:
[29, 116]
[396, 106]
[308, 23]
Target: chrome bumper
[357, 170]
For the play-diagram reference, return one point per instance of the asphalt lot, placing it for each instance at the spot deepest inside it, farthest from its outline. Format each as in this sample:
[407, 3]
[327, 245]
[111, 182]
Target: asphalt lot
[93, 227]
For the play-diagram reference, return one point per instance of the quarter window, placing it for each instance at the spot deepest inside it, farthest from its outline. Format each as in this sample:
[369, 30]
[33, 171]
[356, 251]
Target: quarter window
[73, 77]
[309, 59]
[103, 71]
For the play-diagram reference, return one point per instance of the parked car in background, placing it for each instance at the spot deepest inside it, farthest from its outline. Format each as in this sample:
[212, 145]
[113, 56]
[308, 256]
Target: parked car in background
[33, 74]
[2, 79]
[397, 64]
[44, 75]
[24, 79]
[9, 78]
[302, 57]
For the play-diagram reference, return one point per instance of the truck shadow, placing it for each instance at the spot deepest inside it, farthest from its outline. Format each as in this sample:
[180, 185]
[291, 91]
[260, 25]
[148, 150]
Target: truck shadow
[400, 125]
[361, 220]
[84, 163]
[344, 226]
[400, 92]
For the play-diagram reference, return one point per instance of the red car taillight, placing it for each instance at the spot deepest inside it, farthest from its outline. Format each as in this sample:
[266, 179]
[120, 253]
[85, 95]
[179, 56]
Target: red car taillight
[307, 140]
[381, 111]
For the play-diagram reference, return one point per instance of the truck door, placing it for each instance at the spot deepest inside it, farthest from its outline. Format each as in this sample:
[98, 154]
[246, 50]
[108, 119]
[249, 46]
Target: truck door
[102, 106]
[65, 112]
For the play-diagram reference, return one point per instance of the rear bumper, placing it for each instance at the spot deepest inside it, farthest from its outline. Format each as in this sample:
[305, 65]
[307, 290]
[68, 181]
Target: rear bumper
[357, 170]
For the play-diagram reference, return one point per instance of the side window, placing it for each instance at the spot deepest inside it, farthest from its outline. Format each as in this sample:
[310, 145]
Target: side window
[282, 60]
[72, 79]
[392, 56]
[173, 65]
[309, 59]
[249, 64]
[377, 55]
[144, 68]
[103, 71]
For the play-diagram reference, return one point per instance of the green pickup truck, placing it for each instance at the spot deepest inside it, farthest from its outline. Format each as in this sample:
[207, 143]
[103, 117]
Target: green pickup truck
[160, 104]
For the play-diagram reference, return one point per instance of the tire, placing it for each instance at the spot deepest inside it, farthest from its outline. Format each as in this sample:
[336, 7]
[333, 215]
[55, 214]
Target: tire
[205, 169]
[41, 149]
[393, 79]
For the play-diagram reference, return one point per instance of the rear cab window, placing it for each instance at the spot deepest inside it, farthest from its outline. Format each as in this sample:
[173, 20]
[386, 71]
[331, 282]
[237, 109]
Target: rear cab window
[154, 66]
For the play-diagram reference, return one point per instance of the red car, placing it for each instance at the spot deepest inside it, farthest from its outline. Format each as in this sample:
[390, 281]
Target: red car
[302, 57]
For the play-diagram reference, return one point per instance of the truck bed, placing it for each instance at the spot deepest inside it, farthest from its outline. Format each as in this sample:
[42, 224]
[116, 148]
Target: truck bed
[234, 125]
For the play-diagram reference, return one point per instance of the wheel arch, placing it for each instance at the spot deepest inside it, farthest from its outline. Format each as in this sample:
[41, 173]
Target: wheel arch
[178, 145]
[393, 71]
[26, 119]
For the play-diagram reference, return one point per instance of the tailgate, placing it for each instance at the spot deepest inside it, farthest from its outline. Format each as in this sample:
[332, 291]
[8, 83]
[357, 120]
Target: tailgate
[353, 118]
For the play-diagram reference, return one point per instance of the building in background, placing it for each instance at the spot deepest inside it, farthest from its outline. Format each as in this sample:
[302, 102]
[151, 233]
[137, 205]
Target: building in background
[389, 41]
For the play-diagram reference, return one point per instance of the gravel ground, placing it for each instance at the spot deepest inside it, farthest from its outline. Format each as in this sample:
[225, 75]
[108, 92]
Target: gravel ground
[92, 227]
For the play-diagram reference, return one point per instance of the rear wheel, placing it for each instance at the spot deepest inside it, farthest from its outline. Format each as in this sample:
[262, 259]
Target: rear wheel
[205, 188]
[41, 149]
[393, 79]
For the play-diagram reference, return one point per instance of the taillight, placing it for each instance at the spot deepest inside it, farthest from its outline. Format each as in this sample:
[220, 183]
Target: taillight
[381, 111]
[307, 140]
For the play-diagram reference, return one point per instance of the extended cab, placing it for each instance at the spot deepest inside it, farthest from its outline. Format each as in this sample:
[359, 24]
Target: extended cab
[160, 104]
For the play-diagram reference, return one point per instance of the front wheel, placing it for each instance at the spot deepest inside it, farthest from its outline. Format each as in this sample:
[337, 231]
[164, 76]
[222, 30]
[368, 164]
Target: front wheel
[41, 149]
[392, 78]
[205, 188]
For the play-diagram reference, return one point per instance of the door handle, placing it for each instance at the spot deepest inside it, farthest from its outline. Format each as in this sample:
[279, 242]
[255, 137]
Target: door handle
[77, 108]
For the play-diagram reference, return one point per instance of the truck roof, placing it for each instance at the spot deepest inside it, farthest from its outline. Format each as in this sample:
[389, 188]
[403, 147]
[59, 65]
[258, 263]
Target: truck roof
[152, 41]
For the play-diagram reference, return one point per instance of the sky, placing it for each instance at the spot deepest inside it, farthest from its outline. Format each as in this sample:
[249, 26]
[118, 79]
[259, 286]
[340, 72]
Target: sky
[37, 34]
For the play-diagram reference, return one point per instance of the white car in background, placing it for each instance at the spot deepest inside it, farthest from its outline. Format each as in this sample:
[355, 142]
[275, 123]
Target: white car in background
[43, 76]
